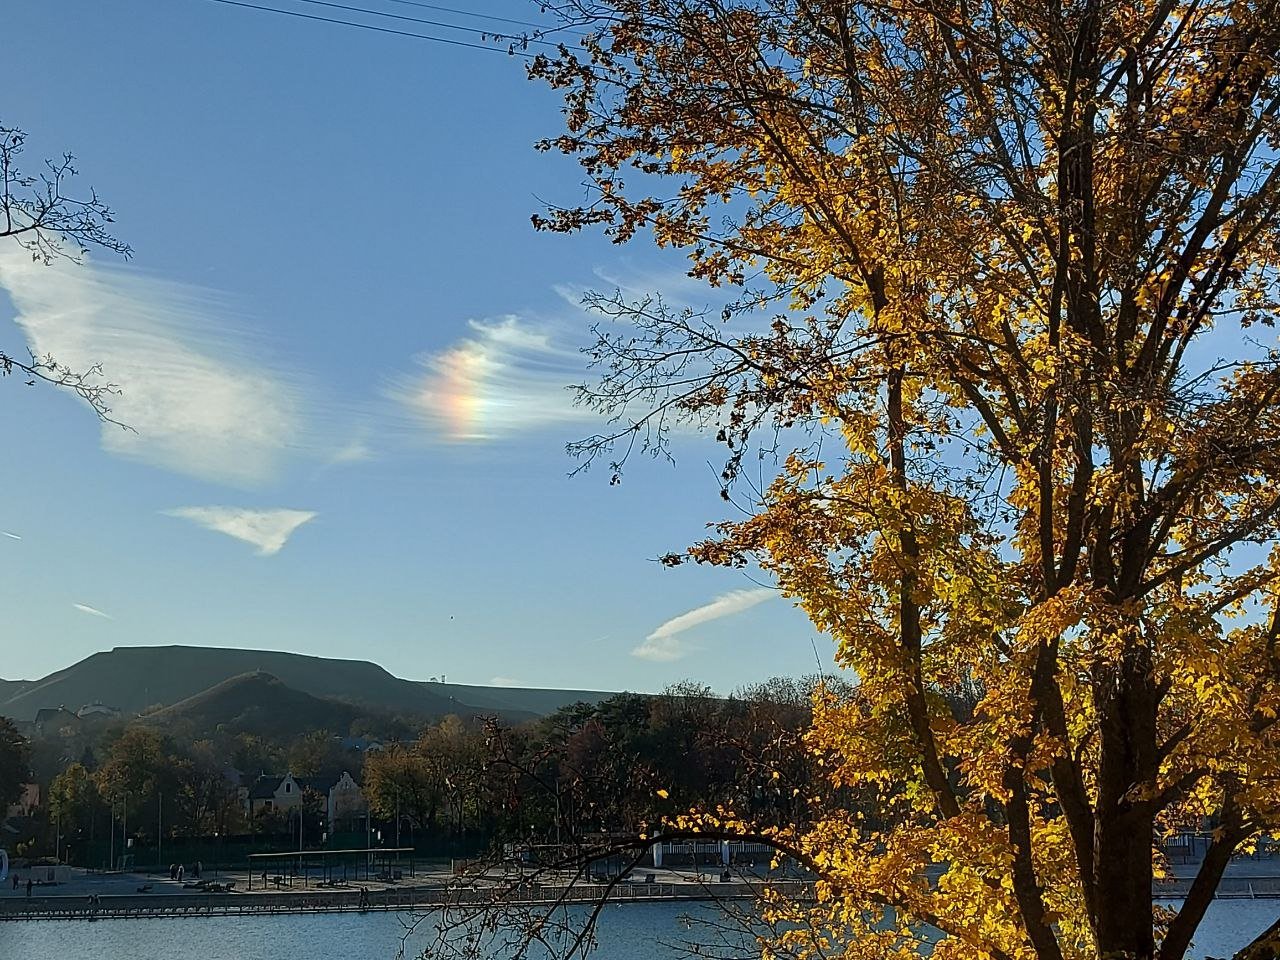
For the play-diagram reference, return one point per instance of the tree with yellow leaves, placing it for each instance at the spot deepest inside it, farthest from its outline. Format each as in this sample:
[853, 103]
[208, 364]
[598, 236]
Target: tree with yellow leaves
[1002, 280]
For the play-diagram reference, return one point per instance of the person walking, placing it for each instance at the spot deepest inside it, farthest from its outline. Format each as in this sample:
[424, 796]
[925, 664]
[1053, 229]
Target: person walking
[28, 886]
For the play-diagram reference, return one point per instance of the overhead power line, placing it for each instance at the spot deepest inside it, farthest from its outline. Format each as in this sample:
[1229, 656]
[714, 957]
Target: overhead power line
[518, 38]
[375, 29]
[487, 16]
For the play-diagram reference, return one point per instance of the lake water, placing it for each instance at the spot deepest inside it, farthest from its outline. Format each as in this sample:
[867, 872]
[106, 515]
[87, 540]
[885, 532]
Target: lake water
[627, 932]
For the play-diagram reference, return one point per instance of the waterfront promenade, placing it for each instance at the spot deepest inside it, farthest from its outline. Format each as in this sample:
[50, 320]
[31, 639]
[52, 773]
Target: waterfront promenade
[93, 896]
[99, 896]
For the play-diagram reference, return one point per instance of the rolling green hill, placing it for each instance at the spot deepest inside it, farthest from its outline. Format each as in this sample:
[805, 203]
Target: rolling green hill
[256, 703]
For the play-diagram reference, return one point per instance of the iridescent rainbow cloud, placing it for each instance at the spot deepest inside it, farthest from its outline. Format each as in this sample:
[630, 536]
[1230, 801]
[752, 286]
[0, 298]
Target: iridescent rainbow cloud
[501, 380]
[457, 390]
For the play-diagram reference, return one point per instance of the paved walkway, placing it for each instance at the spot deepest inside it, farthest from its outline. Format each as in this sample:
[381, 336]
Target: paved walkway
[84, 883]
[1243, 866]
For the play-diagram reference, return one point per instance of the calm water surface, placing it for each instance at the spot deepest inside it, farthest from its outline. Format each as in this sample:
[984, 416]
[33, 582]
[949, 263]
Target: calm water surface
[627, 932]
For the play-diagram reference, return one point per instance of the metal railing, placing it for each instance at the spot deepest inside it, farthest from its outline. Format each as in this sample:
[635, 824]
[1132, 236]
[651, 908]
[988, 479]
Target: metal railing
[135, 906]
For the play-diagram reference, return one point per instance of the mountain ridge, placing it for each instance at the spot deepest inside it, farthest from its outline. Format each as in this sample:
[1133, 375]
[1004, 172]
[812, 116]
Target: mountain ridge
[135, 679]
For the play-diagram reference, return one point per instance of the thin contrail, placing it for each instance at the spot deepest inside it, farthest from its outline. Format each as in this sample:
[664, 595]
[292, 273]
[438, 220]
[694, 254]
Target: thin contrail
[92, 611]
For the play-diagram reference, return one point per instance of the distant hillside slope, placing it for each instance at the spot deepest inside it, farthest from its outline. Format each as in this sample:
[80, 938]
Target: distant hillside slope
[134, 678]
[10, 689]
[256, 703]
[526, 699]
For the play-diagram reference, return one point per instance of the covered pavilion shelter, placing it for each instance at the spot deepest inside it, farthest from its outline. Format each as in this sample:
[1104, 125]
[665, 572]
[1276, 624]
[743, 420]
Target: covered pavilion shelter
[331, 868]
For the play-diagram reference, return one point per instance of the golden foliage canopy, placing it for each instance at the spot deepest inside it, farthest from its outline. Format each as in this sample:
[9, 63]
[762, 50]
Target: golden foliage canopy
[1003, 278]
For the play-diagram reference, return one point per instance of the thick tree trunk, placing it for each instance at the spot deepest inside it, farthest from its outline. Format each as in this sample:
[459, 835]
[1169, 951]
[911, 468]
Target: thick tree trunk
[1125, 817]
[1123, 870]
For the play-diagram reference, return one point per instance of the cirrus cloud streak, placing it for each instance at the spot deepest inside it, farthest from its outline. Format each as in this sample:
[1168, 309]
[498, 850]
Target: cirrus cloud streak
[664, 643]
[192, 391]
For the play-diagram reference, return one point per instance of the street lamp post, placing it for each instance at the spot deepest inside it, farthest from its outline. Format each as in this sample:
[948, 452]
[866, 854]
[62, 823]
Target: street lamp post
[301, 805]
[124, 829]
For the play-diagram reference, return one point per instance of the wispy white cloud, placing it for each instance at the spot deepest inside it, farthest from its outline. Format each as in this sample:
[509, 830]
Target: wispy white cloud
[506, 377]
[354, 451]
[672, 284]
[268, 530]
[503, 682]
[11, 536]
[511, 375]
[193, 391]
[665, 643]
[92, 611]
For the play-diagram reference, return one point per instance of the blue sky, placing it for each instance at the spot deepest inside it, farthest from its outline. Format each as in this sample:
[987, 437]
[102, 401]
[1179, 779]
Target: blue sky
[343, 350]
